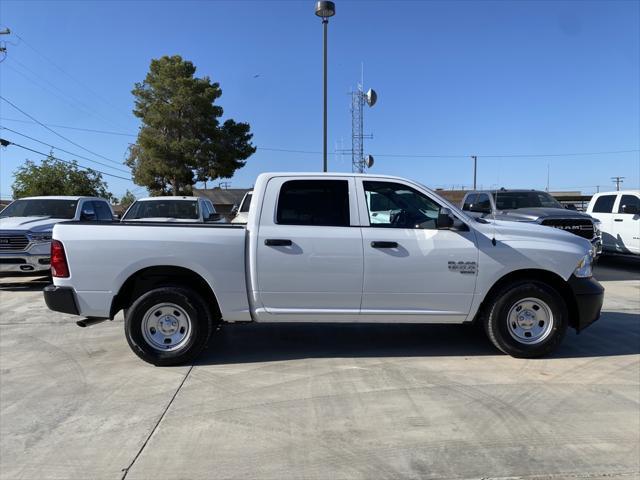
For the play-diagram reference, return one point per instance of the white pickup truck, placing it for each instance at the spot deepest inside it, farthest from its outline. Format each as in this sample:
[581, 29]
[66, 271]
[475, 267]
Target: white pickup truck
[327, 248]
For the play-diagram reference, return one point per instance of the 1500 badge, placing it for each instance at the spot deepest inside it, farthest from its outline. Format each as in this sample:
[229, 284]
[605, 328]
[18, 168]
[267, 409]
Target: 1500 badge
[463, 267]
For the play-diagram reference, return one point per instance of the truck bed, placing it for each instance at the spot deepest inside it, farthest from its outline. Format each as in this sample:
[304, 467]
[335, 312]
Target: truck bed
[102, 256]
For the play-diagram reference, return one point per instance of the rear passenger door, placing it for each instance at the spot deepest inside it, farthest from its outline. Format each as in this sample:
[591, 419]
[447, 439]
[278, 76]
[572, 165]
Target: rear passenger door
[309, 257]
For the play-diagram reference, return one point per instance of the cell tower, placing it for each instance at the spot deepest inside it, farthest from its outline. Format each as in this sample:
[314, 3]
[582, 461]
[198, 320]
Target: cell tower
[358, 98]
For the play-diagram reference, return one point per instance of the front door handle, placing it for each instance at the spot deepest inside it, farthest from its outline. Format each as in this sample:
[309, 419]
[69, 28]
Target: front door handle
[617, 219]
[379, 244]
[278, 242]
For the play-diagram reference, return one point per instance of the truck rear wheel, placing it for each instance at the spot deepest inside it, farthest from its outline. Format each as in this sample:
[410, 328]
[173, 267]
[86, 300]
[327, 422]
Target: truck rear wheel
[168, 326]
[527, 320]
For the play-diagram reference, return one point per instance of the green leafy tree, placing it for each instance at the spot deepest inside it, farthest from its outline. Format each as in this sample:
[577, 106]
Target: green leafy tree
[181, 140]
[127, 199]
[54, 177]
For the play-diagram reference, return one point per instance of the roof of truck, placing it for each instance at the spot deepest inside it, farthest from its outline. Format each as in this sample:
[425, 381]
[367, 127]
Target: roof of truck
[167, 197]
[62, 197]
[614, 192]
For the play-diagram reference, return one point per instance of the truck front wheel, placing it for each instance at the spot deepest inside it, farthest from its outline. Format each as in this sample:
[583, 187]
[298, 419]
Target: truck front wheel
[527, 319]
[168, 326]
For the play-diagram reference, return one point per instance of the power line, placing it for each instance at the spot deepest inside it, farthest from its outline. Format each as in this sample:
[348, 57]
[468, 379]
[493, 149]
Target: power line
[6, 142]
[91, 130]
[39, 81]
[396, 155]
[56, 133]
[82, 84]
[63, 150]
[419, 155]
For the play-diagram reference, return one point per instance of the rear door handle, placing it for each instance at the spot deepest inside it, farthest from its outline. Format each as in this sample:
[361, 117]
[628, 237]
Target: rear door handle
[617, 220]
[278, 242]
[378, 244]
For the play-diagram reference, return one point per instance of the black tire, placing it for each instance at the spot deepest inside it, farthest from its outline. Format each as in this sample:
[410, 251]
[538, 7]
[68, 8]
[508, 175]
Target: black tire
[199, 318]
[496, 322]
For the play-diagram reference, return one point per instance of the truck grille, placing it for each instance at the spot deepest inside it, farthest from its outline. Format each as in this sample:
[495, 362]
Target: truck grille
[13, 243]
[582, 228]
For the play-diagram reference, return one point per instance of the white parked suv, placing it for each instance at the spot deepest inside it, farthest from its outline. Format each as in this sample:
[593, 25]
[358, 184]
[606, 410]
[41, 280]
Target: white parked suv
[26, 225]
[317, 248]
[619, 215]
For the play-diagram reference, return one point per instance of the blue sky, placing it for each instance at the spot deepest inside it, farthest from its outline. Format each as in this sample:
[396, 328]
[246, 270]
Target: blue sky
[454, 78]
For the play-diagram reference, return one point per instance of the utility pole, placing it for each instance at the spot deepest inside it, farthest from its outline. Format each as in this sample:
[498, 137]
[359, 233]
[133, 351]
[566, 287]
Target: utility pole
[618, 181]
[548, 169]
[3, 48]
[475, 169]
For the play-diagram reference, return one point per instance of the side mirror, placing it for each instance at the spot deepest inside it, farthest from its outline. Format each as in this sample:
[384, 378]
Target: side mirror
[88, 215]
[570, 206]
[116, 217]
[632, 209]
[213, 217]
[445, 219]
[234, 210]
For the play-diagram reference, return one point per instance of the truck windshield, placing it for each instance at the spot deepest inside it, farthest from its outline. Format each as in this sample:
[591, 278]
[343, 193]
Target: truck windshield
[515, 200]
[39, 207]
[175, 209]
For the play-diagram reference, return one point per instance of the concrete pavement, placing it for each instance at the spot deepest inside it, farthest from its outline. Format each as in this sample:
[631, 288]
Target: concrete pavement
[318, 401]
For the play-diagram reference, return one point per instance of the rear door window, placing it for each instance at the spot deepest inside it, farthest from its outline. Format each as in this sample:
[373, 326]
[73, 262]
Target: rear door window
[314, 202]
[604, 204]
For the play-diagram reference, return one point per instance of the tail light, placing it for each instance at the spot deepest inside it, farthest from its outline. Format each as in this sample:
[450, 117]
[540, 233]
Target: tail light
[59, 267]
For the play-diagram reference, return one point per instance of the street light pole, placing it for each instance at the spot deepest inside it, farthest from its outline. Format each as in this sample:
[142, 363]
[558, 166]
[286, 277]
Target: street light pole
[325, 22]
[324, 10]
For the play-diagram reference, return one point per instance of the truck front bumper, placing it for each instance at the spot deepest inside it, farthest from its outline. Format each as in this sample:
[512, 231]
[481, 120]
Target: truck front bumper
[589, 295]
[61, 299]
[22, 262]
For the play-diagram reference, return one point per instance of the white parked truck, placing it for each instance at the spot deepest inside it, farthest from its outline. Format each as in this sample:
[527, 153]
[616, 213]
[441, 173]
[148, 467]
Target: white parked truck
[172, 209]
[26, 225]
[327, 248]
[619, 216]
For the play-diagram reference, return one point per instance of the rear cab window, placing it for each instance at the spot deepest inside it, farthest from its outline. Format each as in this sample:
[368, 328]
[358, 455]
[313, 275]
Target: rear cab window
[103, 212]
[604, 204]
[469, 201]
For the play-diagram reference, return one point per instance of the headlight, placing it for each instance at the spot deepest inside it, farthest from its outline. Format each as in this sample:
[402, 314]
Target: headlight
[40, 236]
[596, 226]
[584, 270]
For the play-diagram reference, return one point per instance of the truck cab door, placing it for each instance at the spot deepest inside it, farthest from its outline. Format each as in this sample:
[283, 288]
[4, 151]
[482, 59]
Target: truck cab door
[627, 224]
[413, 271]
[603, 210]
[308, 258]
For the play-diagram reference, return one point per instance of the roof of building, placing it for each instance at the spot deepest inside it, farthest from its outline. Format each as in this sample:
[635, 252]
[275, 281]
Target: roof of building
[222, 196]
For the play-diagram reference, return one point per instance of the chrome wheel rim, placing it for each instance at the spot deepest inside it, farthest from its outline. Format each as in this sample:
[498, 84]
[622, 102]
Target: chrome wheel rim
[530, 321]
[166, 327]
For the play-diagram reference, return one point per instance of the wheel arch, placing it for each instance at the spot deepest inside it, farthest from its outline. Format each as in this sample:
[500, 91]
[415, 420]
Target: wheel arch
[544, 276]
[149, 278]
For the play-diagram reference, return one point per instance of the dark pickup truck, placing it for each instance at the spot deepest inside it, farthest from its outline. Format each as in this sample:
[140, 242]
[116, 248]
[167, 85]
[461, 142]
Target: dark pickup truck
[532, 206]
